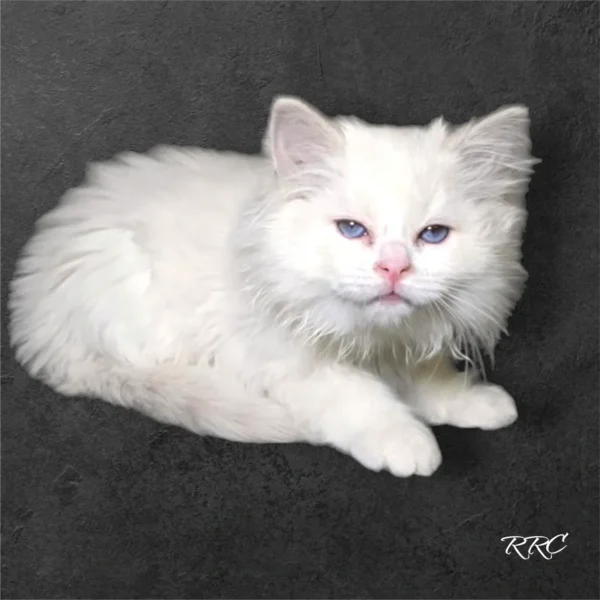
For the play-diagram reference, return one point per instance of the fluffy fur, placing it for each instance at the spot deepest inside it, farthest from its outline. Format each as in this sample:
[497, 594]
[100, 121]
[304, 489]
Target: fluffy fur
[213, 290]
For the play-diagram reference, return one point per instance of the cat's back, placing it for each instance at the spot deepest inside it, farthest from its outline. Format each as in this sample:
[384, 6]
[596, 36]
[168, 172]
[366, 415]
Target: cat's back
[127, 259]
[168, 191]
[181, 185]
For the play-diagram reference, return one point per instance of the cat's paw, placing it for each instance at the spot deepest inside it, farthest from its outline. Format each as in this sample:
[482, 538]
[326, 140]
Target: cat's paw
[484, 406]
[404, 446]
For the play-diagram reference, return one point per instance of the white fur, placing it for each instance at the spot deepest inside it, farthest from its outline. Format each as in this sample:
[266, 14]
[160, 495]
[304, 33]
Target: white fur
[213, 290]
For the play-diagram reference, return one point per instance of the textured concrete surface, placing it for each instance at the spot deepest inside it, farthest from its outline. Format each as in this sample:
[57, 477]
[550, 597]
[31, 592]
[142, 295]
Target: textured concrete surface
[99, 502]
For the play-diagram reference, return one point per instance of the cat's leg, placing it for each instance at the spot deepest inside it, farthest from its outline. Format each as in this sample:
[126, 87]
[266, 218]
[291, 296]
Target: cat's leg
[444, 396]
[201, 399]
[358, 414]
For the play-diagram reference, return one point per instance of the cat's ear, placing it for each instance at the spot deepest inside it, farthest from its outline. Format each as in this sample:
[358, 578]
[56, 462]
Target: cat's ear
[495, 152]
[299, 137]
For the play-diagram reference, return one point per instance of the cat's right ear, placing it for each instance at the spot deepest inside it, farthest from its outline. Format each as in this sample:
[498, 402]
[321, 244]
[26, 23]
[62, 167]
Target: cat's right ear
[299, 137]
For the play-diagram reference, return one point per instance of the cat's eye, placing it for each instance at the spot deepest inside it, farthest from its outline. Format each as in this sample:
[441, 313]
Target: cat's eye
[351, 229]
[434, 234]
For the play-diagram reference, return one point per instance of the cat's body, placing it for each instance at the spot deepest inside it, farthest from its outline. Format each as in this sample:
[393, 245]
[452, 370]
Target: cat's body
[213, 291]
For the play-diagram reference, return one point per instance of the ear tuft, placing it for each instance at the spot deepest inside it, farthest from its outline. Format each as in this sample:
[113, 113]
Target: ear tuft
[299, 137]
[495, 152]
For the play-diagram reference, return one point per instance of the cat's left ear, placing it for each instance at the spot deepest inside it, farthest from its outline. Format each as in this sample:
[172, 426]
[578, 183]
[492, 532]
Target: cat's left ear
[495, 151]
[299, 137]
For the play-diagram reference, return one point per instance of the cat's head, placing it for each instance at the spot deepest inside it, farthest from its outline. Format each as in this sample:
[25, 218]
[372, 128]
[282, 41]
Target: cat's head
[380, 228]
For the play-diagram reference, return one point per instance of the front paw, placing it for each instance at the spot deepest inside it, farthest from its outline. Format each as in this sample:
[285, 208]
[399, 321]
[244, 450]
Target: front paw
[484, 406]
[402, 445]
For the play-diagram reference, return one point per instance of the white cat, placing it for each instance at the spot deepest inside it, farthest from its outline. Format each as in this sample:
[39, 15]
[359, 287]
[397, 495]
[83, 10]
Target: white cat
[316, 294]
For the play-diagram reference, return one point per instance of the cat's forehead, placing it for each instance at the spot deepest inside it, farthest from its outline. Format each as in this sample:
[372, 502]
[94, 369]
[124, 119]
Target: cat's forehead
[395, 173]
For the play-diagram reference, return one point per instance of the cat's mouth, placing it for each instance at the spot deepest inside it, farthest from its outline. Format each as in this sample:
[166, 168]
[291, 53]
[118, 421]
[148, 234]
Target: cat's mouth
[383, 299]
[391, 298]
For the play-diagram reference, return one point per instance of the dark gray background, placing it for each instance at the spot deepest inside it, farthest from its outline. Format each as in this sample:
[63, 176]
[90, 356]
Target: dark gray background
[98, 502]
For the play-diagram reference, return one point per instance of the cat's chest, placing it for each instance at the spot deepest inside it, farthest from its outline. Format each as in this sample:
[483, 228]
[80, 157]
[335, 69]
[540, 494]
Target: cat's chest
[393, 365]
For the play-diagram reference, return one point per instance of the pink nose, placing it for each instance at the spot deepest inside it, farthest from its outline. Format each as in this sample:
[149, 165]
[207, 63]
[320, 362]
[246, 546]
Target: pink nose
[393, 263]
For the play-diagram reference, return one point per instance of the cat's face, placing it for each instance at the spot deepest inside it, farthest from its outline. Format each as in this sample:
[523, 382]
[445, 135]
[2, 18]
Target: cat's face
[381, 225]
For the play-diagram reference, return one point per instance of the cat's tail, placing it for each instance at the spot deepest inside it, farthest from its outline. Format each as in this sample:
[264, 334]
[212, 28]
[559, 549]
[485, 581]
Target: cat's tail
[177, 395]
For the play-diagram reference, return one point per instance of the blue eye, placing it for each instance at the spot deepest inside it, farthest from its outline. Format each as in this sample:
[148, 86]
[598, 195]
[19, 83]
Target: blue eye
[351, 229]
[434, 234]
